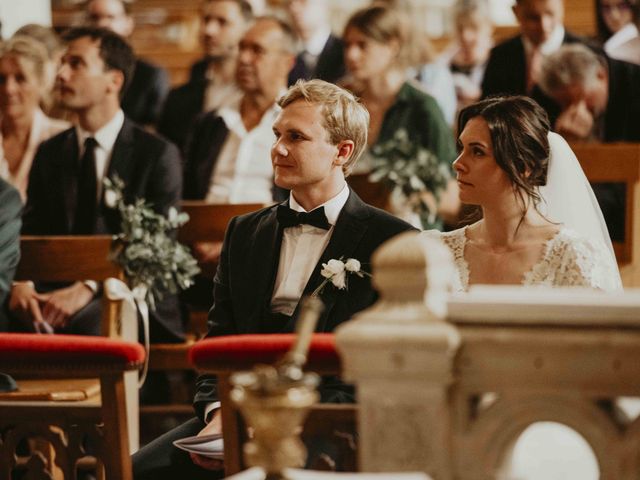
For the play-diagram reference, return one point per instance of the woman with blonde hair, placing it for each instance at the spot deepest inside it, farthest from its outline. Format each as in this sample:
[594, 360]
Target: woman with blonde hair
[23, 125]
[377, 53]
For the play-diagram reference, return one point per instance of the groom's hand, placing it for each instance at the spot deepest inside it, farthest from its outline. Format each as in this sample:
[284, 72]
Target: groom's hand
[213, 427]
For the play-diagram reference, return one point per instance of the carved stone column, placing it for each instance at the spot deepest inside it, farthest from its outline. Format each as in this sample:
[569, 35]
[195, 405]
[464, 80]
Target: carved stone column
[399, 353]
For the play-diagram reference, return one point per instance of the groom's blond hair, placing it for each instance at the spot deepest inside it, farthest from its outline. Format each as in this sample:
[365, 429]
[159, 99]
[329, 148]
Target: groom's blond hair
[343, 116]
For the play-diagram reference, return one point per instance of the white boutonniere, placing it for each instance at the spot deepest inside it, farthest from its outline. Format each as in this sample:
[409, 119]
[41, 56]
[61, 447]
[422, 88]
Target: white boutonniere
[337, 272]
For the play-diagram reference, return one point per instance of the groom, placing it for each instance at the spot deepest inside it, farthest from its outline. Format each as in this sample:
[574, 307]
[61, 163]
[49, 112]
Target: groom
[270, 258]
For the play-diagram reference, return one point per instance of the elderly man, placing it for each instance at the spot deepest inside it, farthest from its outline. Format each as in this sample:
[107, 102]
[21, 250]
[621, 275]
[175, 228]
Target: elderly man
[272, 257]
[598, 99]
[227, 155]
[211, 86]
[514, 65]
[145, 96]
[65, 182]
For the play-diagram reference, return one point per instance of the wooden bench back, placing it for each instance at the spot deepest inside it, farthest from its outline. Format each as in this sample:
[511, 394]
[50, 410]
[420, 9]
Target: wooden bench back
[617, 162]
[66, 258]
[208, 222]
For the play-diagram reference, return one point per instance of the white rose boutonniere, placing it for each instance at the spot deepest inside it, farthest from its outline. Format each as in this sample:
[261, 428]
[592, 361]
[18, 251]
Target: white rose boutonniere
[337, 271]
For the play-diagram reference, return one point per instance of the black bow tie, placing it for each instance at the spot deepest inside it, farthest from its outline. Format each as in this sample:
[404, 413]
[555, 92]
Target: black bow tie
[290, 218]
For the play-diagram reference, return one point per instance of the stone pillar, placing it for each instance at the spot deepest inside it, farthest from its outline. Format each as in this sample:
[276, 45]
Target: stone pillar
[399, 353]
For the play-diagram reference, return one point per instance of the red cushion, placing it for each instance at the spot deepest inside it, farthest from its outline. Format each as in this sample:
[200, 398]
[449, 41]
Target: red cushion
[260, 348]
[61, 349]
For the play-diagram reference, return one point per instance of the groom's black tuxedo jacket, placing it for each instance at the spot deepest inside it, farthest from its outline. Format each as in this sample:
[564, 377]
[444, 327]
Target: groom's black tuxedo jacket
[148, 165]
[248, 266]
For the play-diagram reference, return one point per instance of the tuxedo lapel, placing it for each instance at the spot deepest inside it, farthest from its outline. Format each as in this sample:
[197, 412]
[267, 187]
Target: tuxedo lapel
[121, 163]
[348, 231]
[69, 172]
[262, 265]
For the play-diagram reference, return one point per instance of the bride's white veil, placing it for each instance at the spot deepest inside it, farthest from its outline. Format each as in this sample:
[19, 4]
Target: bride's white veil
[568, 198]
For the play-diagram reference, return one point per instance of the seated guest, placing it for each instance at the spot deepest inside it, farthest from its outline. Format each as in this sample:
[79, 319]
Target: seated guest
[617, 28]
[143, 100]
[524, 178]
[227, 156]
[211, 85]
[48, 38]
[320, 133]
[10, 222]
[514, 65]
[23, 125]
[320, 53]
[598, 100]
[377, 57]
[64, 196]
[468, 57]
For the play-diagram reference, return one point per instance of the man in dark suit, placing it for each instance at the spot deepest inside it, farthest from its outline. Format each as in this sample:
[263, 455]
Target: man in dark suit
[321, 54]
[514, 64]
[10, 222]
[272, 257]
[598, 98]
[211, 83]
[149, 86]
[65, 183]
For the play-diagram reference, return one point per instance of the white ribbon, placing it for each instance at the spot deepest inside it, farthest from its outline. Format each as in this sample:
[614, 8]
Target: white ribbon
[132, 303]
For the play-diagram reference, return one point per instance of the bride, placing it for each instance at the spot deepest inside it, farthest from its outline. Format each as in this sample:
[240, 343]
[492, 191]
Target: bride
[541, 224]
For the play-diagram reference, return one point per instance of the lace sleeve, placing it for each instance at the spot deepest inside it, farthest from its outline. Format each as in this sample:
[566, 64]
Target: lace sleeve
[455, 241]
[584, 262]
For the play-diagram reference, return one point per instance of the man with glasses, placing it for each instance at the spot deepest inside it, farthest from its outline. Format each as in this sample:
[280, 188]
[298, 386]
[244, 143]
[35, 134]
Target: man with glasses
[227, 156]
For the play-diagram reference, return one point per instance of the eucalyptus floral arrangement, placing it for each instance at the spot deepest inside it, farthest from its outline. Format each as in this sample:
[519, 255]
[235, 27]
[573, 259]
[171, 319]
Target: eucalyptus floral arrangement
[147, 251]
[409, 169]
[337, 272]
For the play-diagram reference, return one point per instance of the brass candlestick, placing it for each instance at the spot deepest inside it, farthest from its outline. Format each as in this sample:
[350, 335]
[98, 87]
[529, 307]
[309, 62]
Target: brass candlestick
[274, 401]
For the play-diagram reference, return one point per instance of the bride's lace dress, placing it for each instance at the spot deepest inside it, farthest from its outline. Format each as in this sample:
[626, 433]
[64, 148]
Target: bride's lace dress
[550, 450]
[568, 260]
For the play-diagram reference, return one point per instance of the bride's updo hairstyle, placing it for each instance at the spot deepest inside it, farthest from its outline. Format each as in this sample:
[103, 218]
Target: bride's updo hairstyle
[519, 130]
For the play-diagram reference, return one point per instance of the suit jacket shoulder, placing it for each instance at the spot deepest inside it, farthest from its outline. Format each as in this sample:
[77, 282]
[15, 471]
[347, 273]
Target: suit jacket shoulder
[10, 222]
[182, 107]
[146, 94]
[506, 69]
[202, 149]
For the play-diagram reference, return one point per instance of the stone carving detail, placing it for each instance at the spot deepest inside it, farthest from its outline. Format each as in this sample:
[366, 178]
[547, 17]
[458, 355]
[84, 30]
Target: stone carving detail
[44, 452]
[451, 399]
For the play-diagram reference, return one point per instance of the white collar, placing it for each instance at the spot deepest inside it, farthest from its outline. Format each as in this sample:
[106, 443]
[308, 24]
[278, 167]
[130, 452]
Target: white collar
[553, 43]
[318, 40]
[231, 117]
[623, 35]
[332, 207]
[105, 136]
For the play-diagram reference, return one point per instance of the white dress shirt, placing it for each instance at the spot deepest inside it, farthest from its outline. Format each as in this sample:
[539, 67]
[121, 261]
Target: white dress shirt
[302, 247]
[105, 137]
[243, 172]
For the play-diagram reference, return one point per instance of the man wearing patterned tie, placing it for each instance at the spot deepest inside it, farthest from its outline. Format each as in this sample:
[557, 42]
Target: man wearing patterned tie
[65, 183]
[272, 257]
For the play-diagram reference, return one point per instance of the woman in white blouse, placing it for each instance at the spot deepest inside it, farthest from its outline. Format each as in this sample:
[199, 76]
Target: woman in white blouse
[23, 125]
[617, 28]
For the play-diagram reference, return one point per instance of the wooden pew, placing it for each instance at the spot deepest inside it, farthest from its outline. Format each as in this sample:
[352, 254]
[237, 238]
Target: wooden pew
[618, 162]
[207, 223]
[224, 356]
[67, 259]
[60, 427]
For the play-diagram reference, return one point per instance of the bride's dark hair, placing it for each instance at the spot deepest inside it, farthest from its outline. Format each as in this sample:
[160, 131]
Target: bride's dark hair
[519, 130]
